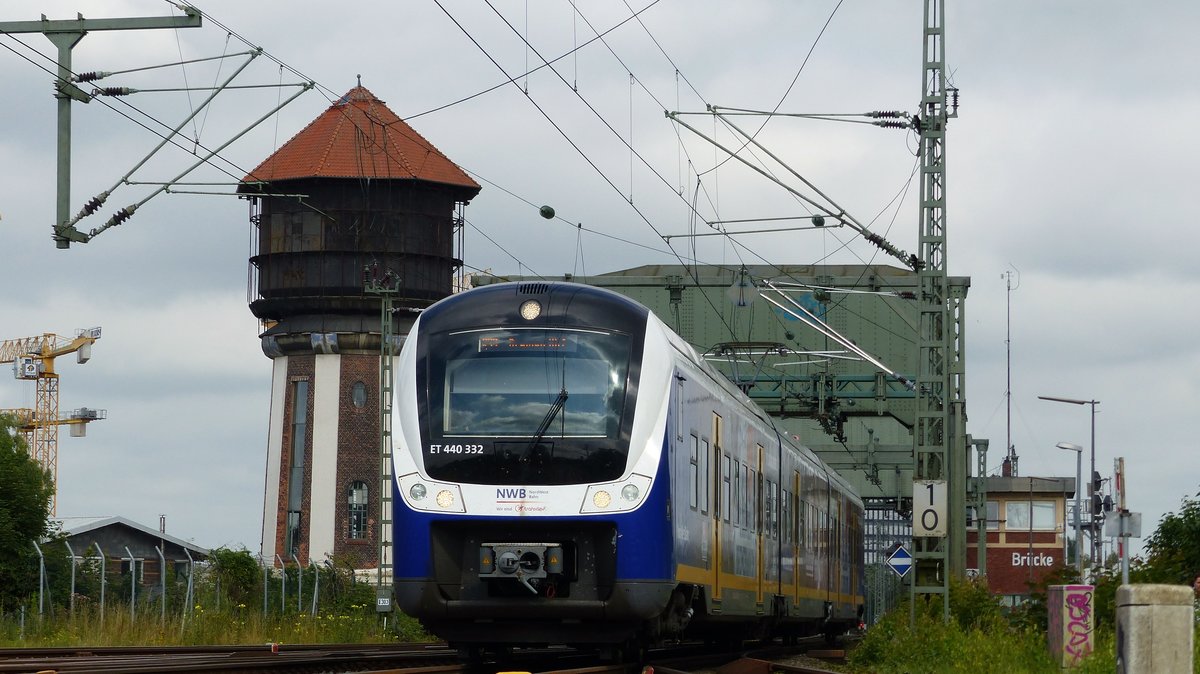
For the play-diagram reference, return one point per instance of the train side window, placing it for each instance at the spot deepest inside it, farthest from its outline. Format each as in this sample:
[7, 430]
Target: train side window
[768, 505]
[785, 509]
[783, 513]
[694, 472]
[725, 485]
[802, 517]
[715, 484]
[776, 507]
[754, 507]
[704, 481]
[679, 407]
[737, 493]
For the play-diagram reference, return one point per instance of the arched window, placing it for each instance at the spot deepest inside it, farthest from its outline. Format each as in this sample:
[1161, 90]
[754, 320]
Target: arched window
[358, 510]
[358, 394]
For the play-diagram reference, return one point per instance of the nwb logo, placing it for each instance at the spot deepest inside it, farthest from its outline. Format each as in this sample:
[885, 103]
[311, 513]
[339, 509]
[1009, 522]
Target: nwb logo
[511, 492]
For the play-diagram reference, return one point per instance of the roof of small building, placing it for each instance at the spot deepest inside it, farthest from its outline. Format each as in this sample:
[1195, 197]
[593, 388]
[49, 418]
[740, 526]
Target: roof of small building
[74, 526]
[360, 137]
[1021, 486]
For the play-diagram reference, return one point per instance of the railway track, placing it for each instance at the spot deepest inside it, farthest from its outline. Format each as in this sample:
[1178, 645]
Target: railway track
[299, 659]
[394, 659]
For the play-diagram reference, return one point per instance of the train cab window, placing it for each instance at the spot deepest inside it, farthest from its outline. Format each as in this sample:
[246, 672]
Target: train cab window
[694, 472]
[527, 406]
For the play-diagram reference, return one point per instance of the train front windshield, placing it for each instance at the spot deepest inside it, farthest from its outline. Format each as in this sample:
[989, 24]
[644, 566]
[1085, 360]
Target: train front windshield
[541, 406]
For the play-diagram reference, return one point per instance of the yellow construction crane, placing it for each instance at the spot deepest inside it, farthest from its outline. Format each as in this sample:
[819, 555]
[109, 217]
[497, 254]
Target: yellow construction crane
[33, 358]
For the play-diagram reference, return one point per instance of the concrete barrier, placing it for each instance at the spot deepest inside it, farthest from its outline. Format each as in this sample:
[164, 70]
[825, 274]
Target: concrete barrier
[1154, 629]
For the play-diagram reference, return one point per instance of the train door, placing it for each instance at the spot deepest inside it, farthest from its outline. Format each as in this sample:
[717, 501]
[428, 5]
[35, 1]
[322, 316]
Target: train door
[721, 496]
[797, 517]
[758, 521]
[831, 572]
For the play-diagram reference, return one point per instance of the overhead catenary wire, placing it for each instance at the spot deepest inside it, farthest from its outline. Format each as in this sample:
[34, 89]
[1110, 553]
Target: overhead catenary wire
[601, 233]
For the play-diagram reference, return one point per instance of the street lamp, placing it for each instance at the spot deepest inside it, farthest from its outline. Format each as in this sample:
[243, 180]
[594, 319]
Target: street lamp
[1078, 503]
[1094, 533]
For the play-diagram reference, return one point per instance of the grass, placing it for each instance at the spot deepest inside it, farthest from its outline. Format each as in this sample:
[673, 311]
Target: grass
[234, 626]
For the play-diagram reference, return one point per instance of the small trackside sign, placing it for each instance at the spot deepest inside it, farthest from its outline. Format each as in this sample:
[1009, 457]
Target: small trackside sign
[929, 508]
[900, 561]
[383, 600]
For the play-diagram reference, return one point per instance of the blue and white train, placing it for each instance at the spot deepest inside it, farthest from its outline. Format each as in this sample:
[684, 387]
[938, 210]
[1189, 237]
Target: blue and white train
[569, 470]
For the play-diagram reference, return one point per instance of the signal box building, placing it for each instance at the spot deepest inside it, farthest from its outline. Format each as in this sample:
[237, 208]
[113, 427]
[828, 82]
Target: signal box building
[356, 190]
[1026, 526]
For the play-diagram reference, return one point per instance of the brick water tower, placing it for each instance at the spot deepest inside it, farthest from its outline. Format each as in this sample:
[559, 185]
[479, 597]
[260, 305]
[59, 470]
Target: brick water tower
[357, 188]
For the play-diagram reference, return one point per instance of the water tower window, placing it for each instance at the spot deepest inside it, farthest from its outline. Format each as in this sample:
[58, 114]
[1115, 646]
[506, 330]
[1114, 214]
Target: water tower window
[358, 510]
[358, 394]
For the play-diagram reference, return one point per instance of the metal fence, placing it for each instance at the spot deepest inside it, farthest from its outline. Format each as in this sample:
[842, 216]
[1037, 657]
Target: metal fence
[105, 581]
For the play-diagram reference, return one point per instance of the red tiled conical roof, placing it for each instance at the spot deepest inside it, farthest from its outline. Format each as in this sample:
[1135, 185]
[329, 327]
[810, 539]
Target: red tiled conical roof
[359, 137]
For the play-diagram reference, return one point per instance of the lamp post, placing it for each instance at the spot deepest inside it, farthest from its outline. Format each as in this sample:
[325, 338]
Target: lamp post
[1078, 503]
[1094, 533]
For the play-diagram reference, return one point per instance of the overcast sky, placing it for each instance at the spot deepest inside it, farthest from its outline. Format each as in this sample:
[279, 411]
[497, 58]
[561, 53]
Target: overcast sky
[1070, 165]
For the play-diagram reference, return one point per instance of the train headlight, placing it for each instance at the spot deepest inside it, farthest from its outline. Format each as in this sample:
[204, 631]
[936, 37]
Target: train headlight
[601, 498]
[421, 493]
[531, 309]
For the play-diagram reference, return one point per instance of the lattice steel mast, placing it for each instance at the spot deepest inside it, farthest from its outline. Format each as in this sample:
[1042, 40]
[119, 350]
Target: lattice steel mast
[939, 345]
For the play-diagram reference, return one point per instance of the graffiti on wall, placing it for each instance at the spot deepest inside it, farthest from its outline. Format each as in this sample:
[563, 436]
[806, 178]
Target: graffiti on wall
[1071, 623]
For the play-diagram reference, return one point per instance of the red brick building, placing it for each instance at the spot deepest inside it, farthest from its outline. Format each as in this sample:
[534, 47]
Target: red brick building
[357, 188]
[1027, 529]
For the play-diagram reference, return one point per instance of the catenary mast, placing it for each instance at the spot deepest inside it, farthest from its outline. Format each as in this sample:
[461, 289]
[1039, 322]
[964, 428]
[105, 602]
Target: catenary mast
[940, 377]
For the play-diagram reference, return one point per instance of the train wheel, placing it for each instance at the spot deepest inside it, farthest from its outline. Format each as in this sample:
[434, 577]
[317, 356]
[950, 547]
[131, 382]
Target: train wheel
[632, 651]
[471, 655]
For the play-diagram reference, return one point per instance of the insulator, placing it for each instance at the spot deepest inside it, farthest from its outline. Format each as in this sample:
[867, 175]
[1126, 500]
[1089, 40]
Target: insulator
[885, 124]
[885, 114]
[92, 206]
[120, 216]
[90, 76]
[114, 91]
[954, 99]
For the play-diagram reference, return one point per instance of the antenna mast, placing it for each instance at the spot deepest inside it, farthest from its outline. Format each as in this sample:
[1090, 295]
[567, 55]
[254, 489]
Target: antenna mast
[1010, 457]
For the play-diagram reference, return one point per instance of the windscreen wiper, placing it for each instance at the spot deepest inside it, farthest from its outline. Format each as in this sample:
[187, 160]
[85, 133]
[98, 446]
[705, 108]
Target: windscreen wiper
[555, 408]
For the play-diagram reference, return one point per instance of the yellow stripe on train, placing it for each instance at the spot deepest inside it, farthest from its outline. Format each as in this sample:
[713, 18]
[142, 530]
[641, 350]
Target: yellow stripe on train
[695, 575]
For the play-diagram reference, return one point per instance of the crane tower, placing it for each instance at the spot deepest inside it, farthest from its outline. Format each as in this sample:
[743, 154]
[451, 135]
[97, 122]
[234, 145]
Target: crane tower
[33, 359]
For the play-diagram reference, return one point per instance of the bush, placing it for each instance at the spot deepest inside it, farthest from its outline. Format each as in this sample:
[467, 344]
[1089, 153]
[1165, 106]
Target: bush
[979, 638]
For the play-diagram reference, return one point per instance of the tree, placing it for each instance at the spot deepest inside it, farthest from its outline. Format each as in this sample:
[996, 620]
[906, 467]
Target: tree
[1172, 552]
[25, 492]
[236, 573]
